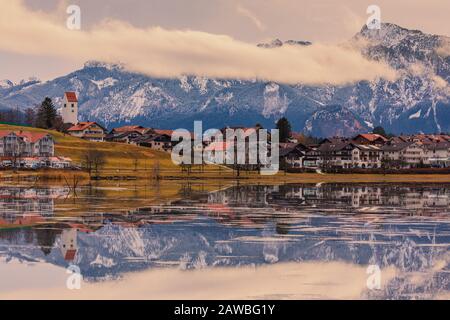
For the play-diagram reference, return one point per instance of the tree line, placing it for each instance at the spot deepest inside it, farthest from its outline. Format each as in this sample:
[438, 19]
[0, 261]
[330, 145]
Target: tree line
[43, 116]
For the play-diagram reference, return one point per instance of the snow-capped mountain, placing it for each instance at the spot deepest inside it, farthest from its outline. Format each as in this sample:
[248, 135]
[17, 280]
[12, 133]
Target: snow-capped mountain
[418, 101]
[6, 84]
[278, 43]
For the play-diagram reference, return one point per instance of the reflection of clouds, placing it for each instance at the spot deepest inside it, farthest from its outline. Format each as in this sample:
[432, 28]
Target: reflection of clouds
[302, 280]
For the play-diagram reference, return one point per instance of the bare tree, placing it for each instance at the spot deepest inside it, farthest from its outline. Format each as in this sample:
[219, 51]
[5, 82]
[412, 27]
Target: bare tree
[135, 162]
[30, 116]
[72, 185]
[93, 161]
[157, 170]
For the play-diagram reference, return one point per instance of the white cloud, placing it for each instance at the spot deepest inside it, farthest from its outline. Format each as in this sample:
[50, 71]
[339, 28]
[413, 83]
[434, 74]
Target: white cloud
[170, 53]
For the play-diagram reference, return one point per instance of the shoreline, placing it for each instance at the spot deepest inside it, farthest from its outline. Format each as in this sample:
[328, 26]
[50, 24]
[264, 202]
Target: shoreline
[68, 176]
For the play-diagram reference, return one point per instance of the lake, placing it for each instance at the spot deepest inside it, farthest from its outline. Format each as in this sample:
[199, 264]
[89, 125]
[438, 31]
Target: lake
[180, 240]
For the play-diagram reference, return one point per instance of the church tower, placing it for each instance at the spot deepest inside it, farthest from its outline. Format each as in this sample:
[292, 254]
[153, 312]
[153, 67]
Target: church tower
[69, 111]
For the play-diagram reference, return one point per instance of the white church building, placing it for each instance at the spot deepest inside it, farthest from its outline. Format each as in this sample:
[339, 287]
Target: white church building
[69, 110]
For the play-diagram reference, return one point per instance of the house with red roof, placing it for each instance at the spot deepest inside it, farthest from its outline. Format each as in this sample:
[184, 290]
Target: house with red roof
[370, 138]
[19, 144]
[124, 129]
[91, 131]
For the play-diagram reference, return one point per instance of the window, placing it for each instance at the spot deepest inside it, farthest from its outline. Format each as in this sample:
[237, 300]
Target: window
[65, 105]
[73, 105]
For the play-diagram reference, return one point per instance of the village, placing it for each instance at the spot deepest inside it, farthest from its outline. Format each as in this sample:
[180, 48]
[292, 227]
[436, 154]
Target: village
[369, 151]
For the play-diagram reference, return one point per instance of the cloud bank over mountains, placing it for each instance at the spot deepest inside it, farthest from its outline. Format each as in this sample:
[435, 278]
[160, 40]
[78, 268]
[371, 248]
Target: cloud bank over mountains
[171, 53]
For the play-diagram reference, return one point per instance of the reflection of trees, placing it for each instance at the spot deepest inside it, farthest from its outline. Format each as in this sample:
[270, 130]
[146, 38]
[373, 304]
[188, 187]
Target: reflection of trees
[186, 190]
[282, 228]
[46, 238]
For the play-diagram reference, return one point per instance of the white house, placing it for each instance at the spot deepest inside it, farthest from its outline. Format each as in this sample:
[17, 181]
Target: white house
[26, 144]
[406, 154]
[69, 110]
[91, 131]
[438, 154]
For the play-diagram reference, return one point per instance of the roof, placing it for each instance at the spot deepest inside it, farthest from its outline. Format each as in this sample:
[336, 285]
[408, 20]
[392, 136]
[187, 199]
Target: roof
[170, 132]
[219, 146]
[371, 137]
[247, 131]
[27, 135]
[396, 146]
[332, 146]
[286, 148]
[4, 133]
[119, 135]
[139, 129]
[334, 140]
[284, 151]
[70, 255]
[166, 132]
[32, 136]
[367, 147]
[152, 137]
[71, 96]
[438, 146]
[83, 125]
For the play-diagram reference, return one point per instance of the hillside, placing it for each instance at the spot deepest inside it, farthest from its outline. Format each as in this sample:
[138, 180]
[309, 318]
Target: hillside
[117, 155]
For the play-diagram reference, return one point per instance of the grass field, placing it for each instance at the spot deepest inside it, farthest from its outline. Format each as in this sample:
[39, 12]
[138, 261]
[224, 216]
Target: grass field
[121, 159]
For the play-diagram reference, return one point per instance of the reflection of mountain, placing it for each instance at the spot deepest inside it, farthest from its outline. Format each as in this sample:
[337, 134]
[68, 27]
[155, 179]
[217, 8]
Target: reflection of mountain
[199, 236]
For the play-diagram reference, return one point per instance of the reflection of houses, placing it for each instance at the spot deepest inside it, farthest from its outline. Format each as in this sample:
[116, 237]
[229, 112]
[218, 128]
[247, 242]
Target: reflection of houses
[30, 204]
[252, 196]
[405, 198]
[91, 131]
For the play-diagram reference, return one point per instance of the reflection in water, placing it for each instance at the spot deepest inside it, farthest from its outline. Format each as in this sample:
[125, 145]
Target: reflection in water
[404, 227]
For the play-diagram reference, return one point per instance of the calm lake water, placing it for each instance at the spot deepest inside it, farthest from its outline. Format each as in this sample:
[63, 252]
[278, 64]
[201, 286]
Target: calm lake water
[343, 241]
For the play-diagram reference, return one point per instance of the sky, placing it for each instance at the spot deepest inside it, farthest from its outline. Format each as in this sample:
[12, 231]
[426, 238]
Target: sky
[204, 37]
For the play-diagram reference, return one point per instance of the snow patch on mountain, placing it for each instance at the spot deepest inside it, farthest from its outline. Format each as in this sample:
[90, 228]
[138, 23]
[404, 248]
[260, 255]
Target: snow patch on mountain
[274, 102]
[6, 84]
[184, 84]
[415, 115]
[105, 83]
